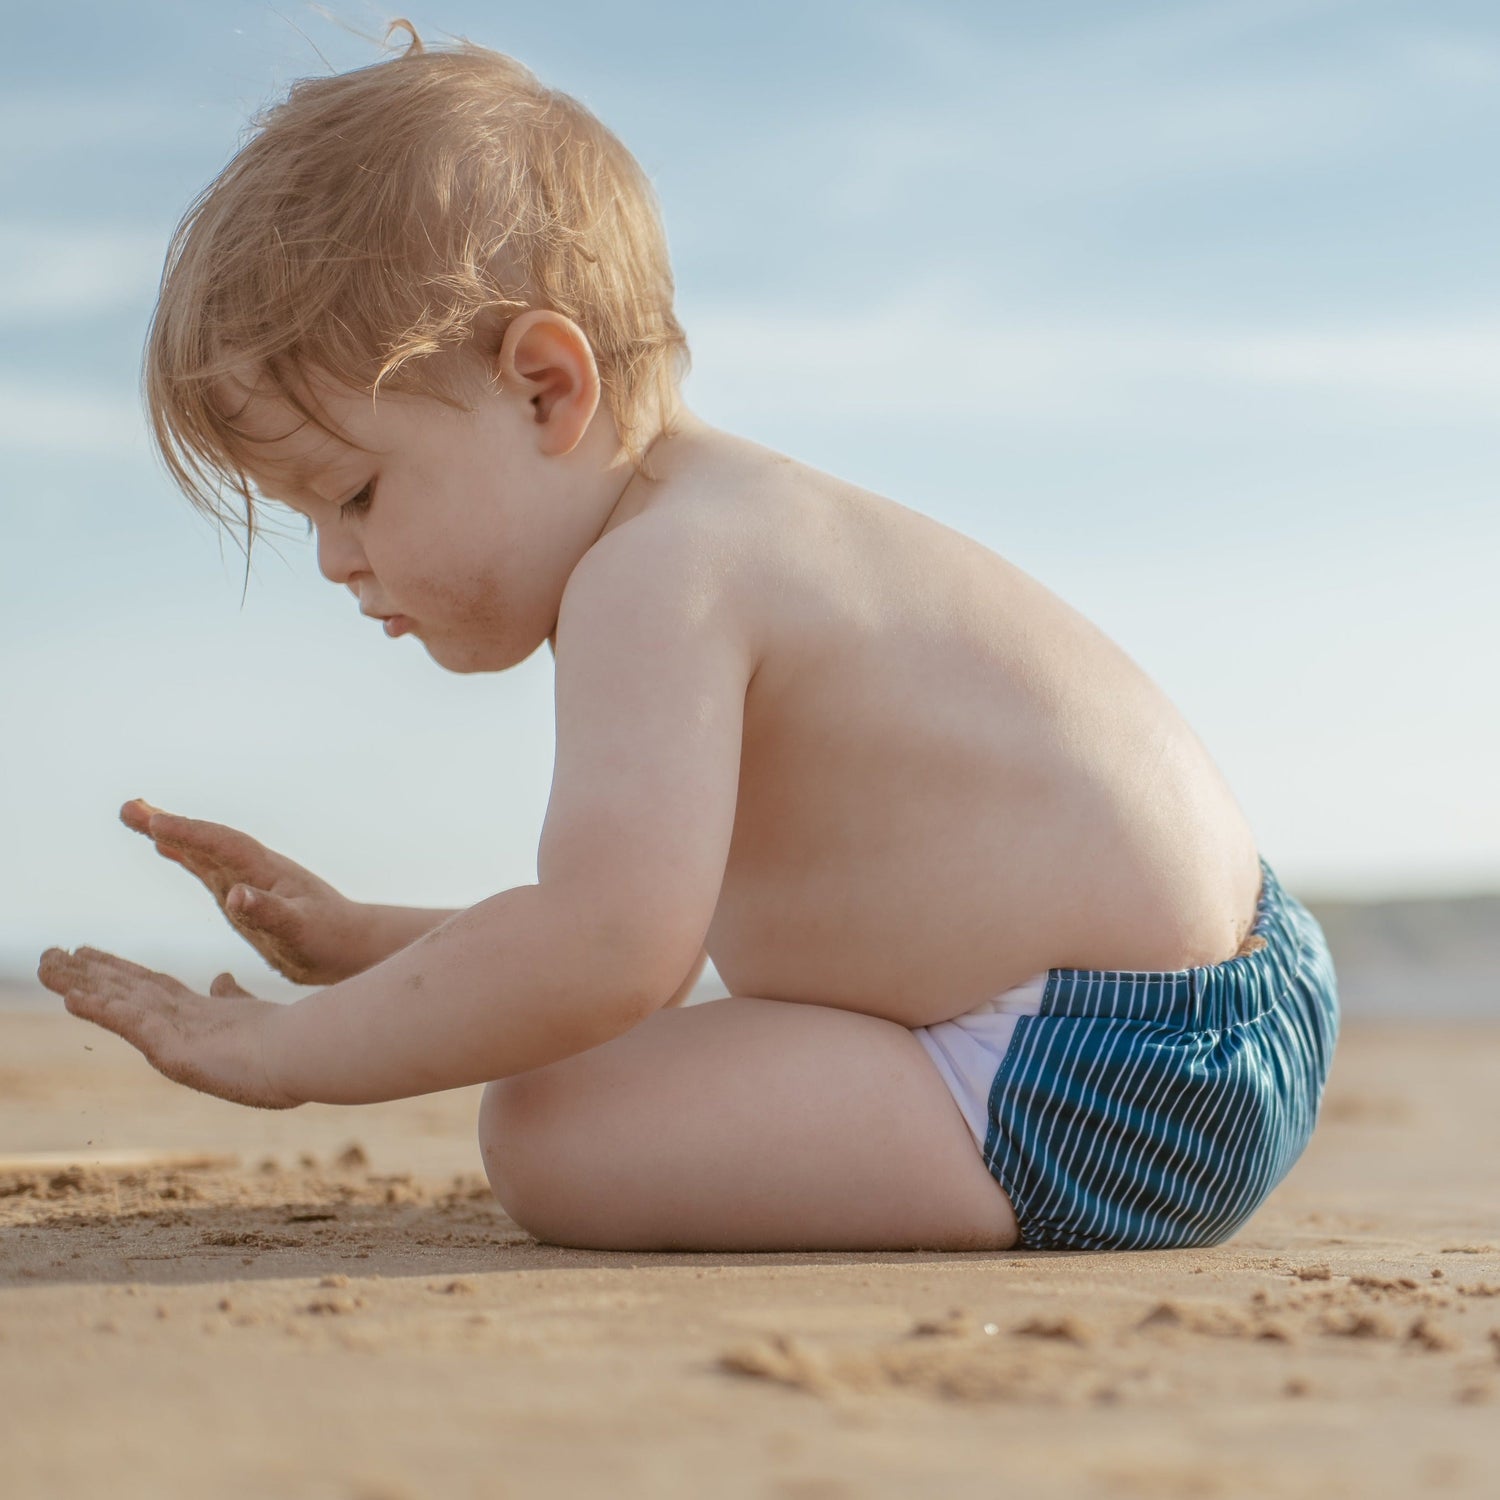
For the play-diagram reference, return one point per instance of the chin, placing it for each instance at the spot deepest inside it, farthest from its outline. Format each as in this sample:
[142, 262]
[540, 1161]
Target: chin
[466, 657]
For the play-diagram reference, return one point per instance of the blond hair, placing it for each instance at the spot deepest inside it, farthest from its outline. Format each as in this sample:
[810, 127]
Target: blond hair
[381, 221]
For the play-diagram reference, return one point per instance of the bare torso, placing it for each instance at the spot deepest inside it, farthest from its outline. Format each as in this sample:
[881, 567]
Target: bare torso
[950, 780]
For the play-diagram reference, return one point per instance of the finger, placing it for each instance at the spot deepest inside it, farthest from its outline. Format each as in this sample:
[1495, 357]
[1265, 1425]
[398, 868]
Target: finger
[85, 982]
[113, 1011]
[215, 839]
[57, 969]
[85, 1004]
[249, 906]
[226, 987]
[60, 970]
[217, 855]
[273, 926]
[97, 960]
[137, 814]
[91, 994]
[111, 977]
[212, 872]
[245, 904]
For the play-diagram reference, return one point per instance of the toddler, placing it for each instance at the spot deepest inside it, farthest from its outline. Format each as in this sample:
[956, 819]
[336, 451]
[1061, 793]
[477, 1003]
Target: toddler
[1005, 963]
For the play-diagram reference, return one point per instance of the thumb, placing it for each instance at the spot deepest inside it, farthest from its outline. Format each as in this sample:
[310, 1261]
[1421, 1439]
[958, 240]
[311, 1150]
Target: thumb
[226, 987]
[253, 910]
[247, 906]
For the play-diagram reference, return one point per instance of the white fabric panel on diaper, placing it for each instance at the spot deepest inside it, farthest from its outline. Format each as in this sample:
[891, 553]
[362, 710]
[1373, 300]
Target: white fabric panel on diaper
[967, 1051]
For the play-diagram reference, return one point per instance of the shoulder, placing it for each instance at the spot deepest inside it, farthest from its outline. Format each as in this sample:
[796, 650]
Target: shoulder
[679, 563]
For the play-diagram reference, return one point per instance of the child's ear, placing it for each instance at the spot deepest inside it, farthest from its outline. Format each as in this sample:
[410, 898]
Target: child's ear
[550, 359]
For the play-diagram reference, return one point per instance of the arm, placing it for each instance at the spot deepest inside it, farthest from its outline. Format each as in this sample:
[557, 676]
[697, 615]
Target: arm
[295, 920]
[686, 987]
[524, 978]
[393, 928]
[652, 670]
[650, 687]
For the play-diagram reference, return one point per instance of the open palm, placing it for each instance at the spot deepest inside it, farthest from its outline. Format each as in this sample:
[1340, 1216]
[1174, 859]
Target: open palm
[297, 922]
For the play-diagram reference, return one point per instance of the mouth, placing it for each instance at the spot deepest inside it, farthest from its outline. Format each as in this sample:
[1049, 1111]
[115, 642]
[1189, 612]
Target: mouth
[394, 625]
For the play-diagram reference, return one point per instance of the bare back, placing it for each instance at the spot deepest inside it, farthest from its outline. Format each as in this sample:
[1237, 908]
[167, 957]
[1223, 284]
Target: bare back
[950, 780]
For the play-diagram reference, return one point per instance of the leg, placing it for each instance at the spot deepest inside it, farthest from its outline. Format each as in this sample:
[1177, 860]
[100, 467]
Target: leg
[743, 1124]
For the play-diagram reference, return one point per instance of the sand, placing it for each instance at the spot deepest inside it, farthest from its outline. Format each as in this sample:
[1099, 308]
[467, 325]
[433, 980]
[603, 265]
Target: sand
[328, 1303]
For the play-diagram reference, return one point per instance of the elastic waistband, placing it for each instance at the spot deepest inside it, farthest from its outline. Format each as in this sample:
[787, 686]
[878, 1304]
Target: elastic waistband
[1208, 998]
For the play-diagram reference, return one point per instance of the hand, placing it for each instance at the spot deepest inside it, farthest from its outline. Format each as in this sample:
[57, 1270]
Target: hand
[298, 923]
[217, 1043]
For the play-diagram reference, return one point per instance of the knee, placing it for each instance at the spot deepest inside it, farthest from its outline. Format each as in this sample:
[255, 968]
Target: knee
[518, 1120]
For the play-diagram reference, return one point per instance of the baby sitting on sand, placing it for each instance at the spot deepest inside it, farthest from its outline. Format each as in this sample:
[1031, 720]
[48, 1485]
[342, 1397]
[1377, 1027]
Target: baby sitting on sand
[1005, 963]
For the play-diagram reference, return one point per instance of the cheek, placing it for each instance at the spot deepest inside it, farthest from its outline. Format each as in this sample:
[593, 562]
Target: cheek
[465, 589]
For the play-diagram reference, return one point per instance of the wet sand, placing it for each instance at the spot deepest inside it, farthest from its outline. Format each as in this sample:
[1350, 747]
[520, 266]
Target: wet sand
[336, 1307]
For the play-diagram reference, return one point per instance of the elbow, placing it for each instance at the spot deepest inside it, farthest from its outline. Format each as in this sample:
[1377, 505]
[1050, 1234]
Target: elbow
[644, 982]
[680, 995]
[630, 961]
[651, 992]
[626, 981]
[662, 972]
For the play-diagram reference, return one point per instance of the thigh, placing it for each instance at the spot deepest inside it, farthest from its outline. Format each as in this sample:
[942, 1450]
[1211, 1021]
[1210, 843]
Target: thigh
[743, 1124]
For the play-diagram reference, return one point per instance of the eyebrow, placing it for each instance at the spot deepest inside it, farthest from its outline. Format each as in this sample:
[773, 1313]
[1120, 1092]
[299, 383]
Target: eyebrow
[294, 483]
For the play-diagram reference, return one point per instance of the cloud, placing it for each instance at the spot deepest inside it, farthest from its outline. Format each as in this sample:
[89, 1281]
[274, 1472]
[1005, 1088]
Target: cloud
[1451, 57]
[51, 273]
[1455, 366]
[1118, 40]
[1029, 117]
[937, 354]
[61, 123]
[68, 420]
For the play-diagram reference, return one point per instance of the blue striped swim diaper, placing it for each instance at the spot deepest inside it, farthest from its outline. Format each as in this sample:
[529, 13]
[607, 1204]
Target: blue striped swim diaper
[1135, 1111]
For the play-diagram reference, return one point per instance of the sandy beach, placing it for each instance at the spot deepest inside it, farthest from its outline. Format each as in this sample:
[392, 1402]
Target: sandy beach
[202, 1300]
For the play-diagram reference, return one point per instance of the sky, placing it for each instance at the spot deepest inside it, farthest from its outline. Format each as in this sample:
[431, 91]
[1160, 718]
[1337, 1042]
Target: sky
[1189, 309]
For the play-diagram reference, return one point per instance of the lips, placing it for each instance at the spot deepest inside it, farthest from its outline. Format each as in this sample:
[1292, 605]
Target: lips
[394, 624]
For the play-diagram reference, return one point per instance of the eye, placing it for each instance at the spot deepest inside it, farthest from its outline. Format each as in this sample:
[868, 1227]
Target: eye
[359, 504]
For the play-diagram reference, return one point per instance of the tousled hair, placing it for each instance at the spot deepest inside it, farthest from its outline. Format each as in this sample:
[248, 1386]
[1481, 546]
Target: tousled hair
[382, 226]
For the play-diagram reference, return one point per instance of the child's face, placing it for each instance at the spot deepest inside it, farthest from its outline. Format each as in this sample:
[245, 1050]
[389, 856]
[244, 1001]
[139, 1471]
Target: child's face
[462, 524]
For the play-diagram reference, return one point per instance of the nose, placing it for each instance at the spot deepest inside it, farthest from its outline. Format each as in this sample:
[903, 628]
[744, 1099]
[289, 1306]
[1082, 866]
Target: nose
[340, 556]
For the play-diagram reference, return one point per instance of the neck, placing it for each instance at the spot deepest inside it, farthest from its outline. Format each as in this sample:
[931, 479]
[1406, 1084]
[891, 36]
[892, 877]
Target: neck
[672, 438]
[626, 492]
